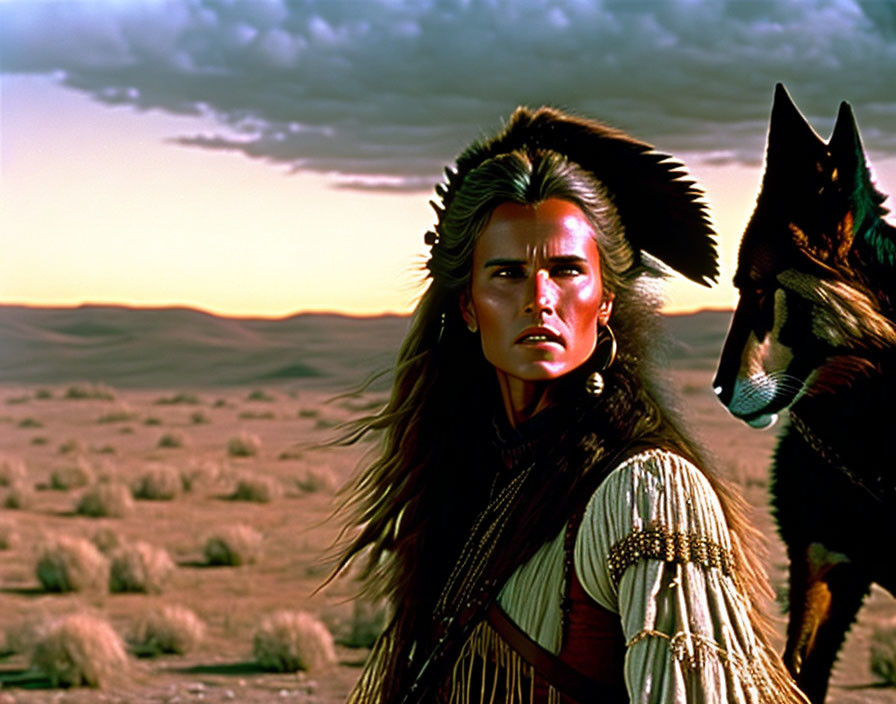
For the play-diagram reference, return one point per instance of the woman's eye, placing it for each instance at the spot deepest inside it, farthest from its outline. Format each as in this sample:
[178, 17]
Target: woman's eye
[509, 272]
[568, 270]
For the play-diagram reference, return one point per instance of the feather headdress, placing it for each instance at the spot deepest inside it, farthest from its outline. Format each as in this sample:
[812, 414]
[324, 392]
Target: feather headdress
[660, 208]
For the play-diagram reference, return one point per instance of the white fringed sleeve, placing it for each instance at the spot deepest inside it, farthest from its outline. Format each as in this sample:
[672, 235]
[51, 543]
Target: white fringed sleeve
[654, 547]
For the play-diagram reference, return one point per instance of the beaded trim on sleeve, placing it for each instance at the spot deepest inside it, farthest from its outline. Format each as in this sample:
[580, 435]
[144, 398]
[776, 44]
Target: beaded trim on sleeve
[663, 544]
[693, 651]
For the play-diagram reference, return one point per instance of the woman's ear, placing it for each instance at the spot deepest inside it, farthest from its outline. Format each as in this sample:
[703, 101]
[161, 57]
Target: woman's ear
[606, 308]
[468, 312]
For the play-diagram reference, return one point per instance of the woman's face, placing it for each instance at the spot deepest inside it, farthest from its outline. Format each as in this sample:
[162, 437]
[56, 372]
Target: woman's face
[536, 294]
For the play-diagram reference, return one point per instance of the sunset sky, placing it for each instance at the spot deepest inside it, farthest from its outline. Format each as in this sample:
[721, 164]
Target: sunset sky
[266, 158]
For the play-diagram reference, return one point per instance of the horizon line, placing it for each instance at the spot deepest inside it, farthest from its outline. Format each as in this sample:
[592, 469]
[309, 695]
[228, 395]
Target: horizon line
[269, 316]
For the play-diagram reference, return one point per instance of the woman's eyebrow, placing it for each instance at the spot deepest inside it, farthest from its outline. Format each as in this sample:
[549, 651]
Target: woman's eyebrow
[503, 261]
[559, 259]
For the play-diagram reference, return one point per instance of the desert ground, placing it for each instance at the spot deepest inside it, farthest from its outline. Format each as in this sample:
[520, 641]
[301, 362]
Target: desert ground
[252, 455]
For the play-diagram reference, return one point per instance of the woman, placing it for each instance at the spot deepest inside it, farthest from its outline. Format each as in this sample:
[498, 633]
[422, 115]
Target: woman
[541, 526]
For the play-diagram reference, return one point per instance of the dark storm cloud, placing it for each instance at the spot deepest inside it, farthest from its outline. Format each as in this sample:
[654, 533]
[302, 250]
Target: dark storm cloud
[384, 93]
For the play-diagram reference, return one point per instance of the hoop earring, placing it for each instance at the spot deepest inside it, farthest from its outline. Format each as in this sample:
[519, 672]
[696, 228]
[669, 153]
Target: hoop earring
[605, 353]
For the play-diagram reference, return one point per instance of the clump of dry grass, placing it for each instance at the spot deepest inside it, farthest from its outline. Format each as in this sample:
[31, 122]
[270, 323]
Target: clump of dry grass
[139, 567]
[121, 414]
[174, 439]
[30, 422]
[182, 398]
[292, 453]
[9, 536]
[92, 392]
[173, 629]
[314, 479]
[883, 652]
[20, 496]
[159, 483]
[244, 445]
[74, 475]
[233, 546]
[12, 470]
[199, 418]
[106, 500]
[368, 620]
[107, 540]
[200, 472]
[72, 446]
[293, 640]
[70, 564]
[20, 637]
[257, 415]
[152, 420]
[259, 395]
[257, 487]
[80, 650]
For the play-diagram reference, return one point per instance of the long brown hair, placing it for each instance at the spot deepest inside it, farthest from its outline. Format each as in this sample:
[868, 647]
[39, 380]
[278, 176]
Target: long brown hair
[413, 504]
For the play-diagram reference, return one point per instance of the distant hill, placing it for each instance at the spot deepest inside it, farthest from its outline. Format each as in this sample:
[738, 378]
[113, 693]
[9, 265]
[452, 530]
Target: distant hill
[176, 347]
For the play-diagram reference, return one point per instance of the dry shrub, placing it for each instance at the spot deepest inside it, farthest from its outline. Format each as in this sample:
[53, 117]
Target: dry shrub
[74, 475]
[293, 640]
[30, 423]
[367, 623]
[200, 472]
[159, 483]
[40, 440]
[314, 479]
[72, 446]
[9, 536]
[20, 496]
[883, 652]
[257, 415]
[174, 629]
[80, 650]
[292, 453]
[107, 540]
[233, 546]
[21, 636]
[259, 395]
[199, 418]
[257, 487]
[93, 392]
[106, 500]
[139, 567]
[69, 564]
[244, 445]
[173, 439]
[179, 399]
[122, 414]
[12, 470]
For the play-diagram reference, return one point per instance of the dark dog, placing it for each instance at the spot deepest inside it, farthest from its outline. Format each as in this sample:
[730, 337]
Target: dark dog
[814, 331]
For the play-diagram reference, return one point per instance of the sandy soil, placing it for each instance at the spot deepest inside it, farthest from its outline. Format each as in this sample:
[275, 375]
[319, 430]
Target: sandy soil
[120, 438]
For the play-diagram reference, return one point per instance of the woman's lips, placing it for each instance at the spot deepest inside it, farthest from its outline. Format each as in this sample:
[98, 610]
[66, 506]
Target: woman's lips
[539, 335]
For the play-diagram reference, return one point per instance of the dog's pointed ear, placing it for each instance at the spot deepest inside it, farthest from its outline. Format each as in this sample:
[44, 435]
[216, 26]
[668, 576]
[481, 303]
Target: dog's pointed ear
[846, 144]
[789, 134]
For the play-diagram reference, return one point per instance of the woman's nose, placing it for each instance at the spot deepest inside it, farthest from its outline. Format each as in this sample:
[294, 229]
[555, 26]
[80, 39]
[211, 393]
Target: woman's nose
[541, 296]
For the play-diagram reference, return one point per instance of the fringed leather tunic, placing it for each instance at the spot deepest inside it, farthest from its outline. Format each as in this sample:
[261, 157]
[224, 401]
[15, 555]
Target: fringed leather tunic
[654, 601]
